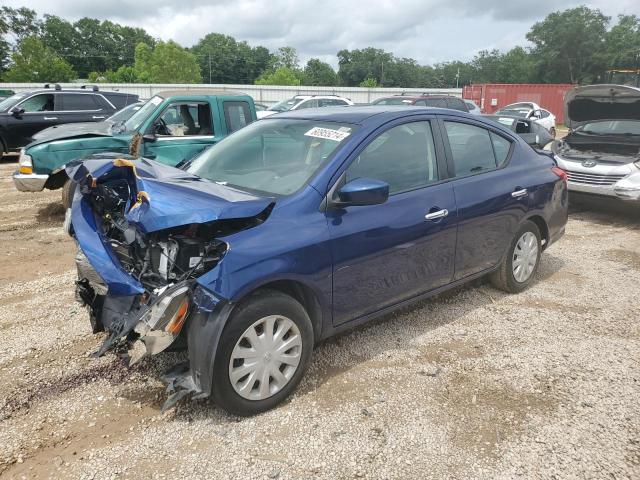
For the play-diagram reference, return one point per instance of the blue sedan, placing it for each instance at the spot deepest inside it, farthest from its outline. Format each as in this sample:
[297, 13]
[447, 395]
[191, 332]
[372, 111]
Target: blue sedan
[298, 227]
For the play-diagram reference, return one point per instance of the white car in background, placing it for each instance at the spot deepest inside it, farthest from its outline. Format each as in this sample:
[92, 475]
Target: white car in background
[532, 111]
[305, 101]
[473, 107]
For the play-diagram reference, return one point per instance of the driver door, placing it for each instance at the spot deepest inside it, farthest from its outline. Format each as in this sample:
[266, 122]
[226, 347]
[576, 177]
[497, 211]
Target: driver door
[384, 254]
[181, 131]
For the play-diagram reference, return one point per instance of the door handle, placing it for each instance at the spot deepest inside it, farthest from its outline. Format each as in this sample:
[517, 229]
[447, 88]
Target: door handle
[50, 118]
[98, 117]
[436, 215]
[519, 193]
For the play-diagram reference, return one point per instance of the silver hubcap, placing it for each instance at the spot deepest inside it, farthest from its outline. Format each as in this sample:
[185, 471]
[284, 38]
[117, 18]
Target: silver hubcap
[525, 256]
[265, 357]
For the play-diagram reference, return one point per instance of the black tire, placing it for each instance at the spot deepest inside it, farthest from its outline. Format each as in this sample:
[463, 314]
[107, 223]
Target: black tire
[252, 309]
[553, 132]
[503, 278]
[68, 190]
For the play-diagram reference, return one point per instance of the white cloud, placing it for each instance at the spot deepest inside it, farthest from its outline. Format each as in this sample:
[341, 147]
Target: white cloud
[427, 30]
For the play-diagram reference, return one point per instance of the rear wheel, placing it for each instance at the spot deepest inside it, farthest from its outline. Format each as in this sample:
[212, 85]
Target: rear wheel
[520, 264]
[68, 190]
[263, 353]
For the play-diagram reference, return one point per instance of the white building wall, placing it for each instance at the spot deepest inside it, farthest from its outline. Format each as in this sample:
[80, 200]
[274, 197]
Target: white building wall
[261, 93]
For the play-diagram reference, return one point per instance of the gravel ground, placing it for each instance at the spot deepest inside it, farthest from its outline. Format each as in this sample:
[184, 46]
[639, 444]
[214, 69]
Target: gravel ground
[472, 384]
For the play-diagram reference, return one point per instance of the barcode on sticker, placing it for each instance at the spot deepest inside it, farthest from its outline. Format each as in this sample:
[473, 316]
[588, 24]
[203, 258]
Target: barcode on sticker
[328, 134]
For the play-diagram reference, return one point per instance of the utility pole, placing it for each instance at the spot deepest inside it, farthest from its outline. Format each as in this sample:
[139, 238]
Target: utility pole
[458, 77]
[382, 74]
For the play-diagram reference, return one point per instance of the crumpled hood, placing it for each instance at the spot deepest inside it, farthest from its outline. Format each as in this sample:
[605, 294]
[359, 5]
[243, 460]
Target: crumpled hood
[72, 130]
[601, 102]
[166, 196]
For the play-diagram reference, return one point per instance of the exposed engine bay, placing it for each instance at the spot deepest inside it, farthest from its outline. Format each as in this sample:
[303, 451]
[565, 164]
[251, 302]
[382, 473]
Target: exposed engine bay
[576, 149]
[136, 271]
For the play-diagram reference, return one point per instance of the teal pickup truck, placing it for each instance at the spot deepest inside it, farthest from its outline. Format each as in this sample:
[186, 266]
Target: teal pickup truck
[171, 127]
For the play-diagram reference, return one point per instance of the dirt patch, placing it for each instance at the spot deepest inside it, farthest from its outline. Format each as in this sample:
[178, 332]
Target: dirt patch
[628, 257]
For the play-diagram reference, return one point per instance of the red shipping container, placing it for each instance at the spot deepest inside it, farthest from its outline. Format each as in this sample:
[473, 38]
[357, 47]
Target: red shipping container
[493, 96]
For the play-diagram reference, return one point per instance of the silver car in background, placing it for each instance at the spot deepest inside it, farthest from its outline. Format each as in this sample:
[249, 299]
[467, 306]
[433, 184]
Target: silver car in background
[601, 154]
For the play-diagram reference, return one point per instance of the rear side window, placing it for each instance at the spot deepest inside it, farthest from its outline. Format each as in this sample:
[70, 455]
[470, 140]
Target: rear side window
[475, 149]
[457, 104]
[79, 102]
[331, 102]
[237, 115]
[403, 156]
[435, 102]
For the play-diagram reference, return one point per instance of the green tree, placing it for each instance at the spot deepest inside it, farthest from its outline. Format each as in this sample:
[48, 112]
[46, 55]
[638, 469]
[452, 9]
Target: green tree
[15, 25]
[224, 60]
[622, 43]
[368, 83]
[33, 62]
[317, 72]
[170, 63]
[487, 65]
[280, 76]
[358, 65]
[517, 66]
[568, 46]
[286, 57]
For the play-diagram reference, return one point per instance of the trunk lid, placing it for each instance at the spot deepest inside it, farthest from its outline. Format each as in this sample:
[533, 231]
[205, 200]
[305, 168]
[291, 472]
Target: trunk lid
[601, 102]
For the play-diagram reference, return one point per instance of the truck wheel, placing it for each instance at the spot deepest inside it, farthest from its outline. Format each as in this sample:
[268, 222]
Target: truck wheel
[263, 353]
[68, 190]
[521, 262]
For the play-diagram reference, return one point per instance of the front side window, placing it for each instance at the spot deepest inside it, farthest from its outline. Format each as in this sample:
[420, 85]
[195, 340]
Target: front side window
[38, 103]
[475, 149]
[184, 119]
[237, 115]
[272, 156]
[403, 156]
[456, 104]
[435, 102]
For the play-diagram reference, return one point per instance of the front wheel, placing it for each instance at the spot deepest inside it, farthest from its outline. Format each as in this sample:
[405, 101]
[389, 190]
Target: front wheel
[521, 262]
[263, 353]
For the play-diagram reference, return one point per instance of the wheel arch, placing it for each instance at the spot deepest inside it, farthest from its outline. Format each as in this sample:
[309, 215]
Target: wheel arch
[540, 222]
[299, 291]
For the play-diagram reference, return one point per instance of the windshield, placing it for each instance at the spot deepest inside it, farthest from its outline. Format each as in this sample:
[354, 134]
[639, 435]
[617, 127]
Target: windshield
[392, 101]
[124, 114]
[275, 156]
[284, 105]
[9, 102]
[138, 118]
[611, 127]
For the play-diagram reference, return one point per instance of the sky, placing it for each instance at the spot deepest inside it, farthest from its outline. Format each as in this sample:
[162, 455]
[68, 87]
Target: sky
[429, 31]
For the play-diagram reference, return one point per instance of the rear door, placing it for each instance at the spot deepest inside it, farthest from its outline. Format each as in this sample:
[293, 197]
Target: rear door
[80, 107]
[491, 197]
[384, 254]
[182, 129]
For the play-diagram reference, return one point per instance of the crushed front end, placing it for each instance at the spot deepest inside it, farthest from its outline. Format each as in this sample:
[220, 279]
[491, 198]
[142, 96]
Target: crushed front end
[138, 260]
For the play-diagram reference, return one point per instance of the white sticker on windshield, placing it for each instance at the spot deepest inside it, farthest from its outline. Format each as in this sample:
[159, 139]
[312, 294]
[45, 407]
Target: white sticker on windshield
[329, 134]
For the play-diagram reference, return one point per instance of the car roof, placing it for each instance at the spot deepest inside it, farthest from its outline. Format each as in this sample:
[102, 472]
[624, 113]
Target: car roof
[200, 91]
[76, 90]
[363, 114]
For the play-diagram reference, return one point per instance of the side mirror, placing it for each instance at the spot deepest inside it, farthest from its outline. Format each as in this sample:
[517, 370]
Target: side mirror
[149, 137]
[363, 191]
[17, 112]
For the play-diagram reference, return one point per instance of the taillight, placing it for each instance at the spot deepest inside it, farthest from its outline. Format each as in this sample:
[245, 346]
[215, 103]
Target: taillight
[561, 173]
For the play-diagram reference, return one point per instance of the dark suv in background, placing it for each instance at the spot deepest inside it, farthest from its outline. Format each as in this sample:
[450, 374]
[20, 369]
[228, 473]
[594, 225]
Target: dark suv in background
[424, 100]
[26, 113]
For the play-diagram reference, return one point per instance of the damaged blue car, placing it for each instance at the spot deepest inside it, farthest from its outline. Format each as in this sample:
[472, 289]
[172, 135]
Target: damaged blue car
[298, 227]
